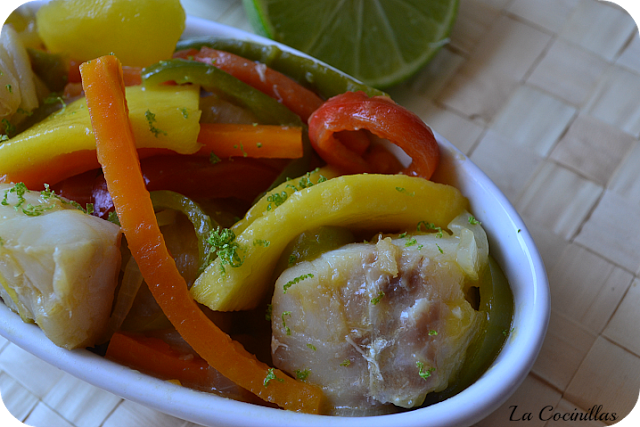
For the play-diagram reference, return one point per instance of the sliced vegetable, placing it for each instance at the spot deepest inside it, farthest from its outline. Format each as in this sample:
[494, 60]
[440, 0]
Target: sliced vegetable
[259, 141]
[130, 74]
[51, 68]
[378, 202]
[381, 116]
[165, 355]
[297, 98]
[197, 177]
[202, 224]
[153, 355]
[267, 110]
[320, 78]
[191, 176]
[285, 90]
[496, 301]
[277, 195]
[104, 89]
[63, 144]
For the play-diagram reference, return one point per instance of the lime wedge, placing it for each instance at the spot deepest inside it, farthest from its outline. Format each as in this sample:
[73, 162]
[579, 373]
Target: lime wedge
[380, 42]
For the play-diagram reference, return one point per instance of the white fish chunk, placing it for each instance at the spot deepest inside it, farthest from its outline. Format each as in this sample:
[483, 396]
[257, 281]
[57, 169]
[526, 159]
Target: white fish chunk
[58, 266]
[384, 323]
[17, 80]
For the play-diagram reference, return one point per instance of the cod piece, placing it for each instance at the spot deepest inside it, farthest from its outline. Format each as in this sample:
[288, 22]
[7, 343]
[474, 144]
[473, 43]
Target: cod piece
[58, 265]
[381, 324]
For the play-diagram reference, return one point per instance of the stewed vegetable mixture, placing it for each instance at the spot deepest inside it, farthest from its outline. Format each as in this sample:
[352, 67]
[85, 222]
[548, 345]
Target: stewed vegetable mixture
[232, 217]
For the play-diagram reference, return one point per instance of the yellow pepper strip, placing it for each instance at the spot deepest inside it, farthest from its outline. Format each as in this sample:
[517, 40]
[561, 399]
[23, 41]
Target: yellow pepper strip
[371, 202]
[63, 144]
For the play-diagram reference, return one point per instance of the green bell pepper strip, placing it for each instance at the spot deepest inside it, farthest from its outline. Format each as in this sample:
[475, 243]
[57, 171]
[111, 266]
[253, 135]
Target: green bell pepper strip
[371, 202]
[320, 78]
[52, 68]
[496, 301]
[310, 244]
[202, 223]
[267, 110]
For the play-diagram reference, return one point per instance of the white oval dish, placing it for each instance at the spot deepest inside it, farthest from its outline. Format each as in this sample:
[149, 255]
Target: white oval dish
[510, 243]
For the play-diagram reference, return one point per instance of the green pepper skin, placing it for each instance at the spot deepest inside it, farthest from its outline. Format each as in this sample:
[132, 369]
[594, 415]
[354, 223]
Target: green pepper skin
[51, 68]
[202, 223]
[320, 78]
[266, 109]
[311, 244]
[372, 202]
[496, 300]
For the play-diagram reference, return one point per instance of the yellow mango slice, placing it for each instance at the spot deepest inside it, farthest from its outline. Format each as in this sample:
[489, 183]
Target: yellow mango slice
[164, 117]
[372, 202]
[139, 33]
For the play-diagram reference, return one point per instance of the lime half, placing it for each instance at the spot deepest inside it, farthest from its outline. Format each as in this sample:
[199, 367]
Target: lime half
[380, 42]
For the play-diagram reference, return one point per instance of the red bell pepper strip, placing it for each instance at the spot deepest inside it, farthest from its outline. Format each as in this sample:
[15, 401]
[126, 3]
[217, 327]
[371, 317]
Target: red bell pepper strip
[104, 89]
[196, 177]
[382, 117]
[191, 176]
[224, 140]
[130, 74]
[285, 90]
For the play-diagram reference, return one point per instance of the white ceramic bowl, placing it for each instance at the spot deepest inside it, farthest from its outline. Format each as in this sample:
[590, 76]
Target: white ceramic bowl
[510, 243]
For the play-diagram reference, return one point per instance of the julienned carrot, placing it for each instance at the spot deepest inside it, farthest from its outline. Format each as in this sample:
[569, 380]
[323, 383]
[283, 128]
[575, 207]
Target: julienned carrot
[223, 140]
[284, 89]
[56, 169]
[258, 141]
[63, 166]
[154, 356]
[104, 89]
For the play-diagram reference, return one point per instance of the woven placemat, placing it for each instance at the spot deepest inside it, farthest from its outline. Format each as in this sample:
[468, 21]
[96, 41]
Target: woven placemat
[546, 103]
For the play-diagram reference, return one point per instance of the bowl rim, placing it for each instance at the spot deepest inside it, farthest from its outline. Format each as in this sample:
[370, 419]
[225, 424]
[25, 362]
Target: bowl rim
[471, 405]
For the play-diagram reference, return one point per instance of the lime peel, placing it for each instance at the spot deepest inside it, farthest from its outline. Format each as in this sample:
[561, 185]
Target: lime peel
[379, 42]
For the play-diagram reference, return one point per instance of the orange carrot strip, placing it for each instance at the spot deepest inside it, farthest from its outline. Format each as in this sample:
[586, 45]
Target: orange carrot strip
[282, 88]
[54, 170]
[154, 356]
[66, 165]
[104, 89]
[259, 141]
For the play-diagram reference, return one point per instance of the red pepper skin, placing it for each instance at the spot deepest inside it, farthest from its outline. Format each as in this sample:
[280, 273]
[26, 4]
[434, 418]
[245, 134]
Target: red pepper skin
[192, 176]
[298, 99]
[196, 177]
[381, 116]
